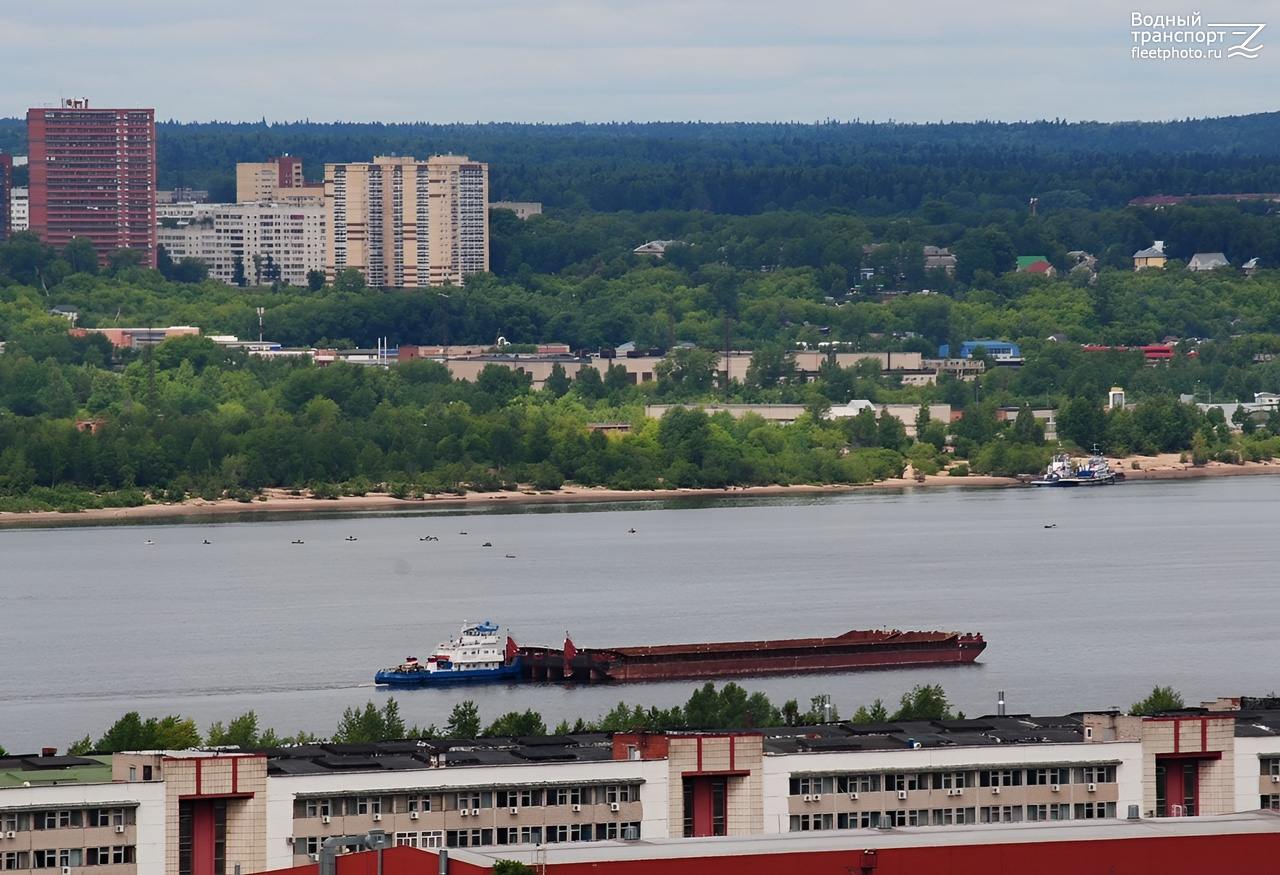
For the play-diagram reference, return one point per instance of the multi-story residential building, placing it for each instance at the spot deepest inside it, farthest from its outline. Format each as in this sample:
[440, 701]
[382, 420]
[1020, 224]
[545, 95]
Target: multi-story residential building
[19, 209]
[277, 180]
[250, 243]
[935, 782]
[405, 223]
[6, 194]
[93, 175]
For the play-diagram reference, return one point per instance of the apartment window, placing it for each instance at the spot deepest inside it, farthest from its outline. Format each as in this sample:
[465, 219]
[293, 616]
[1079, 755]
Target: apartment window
[1095, 810]
[620, 793]
[16, 860]
[1060, 775]
[1271, 767]
[146, 773]
[558, 833]
[918, 817]
[1000, 814]
[812, 786]
[1037, 777]
[468, 838]
[44, 859]
[1098, 775]
[580, 832]
[472, 799]
[808, 822]
[418, 803]
[858, 784]
[313, 845]
[1271, 801]
[70, 857]
[1000, 778]
[406, 839]
[1037, 812]
[951, 781]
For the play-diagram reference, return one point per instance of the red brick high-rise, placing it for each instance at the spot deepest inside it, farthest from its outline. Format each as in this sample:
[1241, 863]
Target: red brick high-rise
[93, 175]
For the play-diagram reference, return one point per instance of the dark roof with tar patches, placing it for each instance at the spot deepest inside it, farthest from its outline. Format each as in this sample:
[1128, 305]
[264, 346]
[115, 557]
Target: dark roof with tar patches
[901, 734]
[411, 754]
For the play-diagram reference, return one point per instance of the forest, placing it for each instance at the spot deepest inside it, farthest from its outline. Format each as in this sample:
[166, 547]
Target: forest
[784, 236]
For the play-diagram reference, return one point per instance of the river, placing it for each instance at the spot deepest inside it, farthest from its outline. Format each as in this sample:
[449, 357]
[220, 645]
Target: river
[1087, 597]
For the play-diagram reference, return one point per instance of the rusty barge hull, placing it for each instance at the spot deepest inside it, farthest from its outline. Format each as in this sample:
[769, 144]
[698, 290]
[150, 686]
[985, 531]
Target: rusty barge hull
[852, 651]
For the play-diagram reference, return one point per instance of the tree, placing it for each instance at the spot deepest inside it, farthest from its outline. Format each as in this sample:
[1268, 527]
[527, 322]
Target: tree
[315, 280]
[987, 249]
[687, 372]
[370, 725]
[242, 732]
[511, 867]
[464, 721]
[1082, 421]
[80, 256]
[557, 384]
[1159, 700]
[1026, 428]
[515, 724]
[924, 702]
[349, 281]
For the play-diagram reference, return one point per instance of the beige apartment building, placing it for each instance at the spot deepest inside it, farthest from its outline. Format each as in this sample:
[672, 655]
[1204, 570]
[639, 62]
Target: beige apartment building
[405, 223]
[277, 180]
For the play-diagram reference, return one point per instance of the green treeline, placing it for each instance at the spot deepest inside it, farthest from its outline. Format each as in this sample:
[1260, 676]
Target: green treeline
[730, 707]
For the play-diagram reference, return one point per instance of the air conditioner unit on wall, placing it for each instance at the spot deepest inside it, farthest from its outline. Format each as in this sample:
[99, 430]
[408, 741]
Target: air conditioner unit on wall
[1275, 779]
[377, 818]
[324, 818]
[515, 810]
[119, 828]
[475, 812]
[577, 808]
[902, 794]
[853, 796]
[1093, 788]
[1055, 787]
[808, 798]
[614, 806]
[413, 815]
[466, 812]
[817, 797]
[995, 791]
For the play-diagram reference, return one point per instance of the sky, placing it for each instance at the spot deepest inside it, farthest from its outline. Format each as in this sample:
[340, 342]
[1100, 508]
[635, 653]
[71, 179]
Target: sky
[633, 60]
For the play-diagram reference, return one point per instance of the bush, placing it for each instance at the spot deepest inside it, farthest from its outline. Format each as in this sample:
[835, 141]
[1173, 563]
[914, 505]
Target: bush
[961, 470]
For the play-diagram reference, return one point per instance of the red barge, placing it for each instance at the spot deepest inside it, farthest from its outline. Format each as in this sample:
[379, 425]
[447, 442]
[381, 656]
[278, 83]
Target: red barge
[852, 650]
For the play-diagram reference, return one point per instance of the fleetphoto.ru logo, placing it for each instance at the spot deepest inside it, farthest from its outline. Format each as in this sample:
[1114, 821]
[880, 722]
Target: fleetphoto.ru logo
[1187, 37]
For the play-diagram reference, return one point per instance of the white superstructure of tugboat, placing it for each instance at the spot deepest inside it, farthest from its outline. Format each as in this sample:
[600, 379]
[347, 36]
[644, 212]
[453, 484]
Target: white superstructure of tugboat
[479, 653]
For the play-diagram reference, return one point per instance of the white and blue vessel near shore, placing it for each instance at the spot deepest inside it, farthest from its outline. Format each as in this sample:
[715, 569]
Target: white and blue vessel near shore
[479, 654]
[1094, 471]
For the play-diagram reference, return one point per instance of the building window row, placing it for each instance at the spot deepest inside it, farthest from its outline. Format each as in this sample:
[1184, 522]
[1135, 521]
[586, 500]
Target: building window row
[72, 818]
[815, 785]
[525, 797]
[58, 858]
[951, 816]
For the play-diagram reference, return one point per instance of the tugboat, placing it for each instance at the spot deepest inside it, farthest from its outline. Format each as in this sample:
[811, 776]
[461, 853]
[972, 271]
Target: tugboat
[1094, 471]
[478, 654]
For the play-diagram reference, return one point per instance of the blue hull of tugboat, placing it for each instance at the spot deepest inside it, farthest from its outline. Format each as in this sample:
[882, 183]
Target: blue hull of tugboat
[446, 677]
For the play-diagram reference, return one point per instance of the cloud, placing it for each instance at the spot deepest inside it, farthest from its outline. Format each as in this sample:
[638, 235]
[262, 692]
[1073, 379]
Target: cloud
[447, 60]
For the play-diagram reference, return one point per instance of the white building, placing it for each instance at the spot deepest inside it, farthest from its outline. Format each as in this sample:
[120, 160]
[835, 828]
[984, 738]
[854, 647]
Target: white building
[261, 237]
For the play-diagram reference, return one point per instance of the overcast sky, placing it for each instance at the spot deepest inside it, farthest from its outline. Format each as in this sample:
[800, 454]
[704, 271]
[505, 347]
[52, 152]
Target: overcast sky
[626, 60]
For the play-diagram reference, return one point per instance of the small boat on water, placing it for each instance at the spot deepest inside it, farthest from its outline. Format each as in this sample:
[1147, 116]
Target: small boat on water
[1065, 471]
[478, 654]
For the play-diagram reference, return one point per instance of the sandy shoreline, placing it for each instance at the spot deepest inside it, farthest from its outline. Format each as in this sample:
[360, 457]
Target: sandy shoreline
[1163, 467]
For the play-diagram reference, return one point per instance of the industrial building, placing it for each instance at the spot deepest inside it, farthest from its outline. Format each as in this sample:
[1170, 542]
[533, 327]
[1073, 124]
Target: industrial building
[912, 790]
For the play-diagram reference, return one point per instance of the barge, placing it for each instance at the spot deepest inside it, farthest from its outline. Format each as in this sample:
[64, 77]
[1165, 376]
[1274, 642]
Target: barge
[853, 650]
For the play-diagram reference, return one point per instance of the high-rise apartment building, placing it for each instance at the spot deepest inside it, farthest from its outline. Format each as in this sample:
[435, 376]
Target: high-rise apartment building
[405, 223]
[93, 175]
[277, 180]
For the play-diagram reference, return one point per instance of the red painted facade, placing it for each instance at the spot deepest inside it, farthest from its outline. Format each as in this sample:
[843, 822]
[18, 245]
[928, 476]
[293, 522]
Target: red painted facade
[93, 175]
[1218, 853]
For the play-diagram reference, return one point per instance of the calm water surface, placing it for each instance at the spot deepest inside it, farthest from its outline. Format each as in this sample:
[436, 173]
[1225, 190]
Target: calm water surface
[1144, 584]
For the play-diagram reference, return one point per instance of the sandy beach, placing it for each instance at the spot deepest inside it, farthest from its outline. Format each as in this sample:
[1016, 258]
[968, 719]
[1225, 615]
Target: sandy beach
[1163, 467]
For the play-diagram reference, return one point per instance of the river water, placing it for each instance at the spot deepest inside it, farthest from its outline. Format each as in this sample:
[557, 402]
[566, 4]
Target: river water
[1088, 598]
